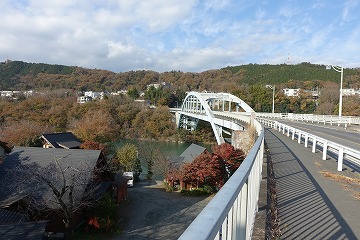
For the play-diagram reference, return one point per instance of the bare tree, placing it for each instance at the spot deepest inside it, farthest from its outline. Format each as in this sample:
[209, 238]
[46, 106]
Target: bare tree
[156, 160]
[58, 187]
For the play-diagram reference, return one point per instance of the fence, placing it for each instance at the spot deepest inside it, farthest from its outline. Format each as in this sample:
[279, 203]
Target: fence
[324, 119]
[326, 145]
[231, 213]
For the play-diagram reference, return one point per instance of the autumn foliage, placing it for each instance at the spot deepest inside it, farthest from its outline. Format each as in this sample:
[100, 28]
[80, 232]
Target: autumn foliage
[211, 169]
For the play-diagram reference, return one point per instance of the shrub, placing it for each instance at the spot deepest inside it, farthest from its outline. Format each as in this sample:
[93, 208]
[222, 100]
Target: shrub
[195, 192]
[168, 187]
[104, 214]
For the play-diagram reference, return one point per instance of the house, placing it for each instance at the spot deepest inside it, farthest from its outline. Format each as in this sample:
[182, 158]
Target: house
[84, 99]
[65, 140]
[188, 156]
[4, 149]
[349, 92]
[192, 152]
[24, 230]
[17, 226]
[291, 92]
[26, 172]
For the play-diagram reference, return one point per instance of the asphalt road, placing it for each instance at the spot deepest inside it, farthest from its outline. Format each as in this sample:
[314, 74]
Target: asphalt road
[152, 213]
[349, 137]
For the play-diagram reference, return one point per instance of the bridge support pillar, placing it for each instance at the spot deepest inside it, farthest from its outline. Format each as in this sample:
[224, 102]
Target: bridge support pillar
[242, 140]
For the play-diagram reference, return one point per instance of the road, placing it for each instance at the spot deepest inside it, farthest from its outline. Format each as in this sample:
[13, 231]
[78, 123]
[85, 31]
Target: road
[152, 213]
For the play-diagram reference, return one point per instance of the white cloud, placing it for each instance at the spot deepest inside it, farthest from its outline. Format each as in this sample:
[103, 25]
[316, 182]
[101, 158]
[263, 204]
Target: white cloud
[189, 35]
[349, 5]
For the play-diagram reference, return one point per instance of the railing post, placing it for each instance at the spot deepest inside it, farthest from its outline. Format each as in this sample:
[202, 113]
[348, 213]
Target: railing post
[299, 137]
[293, 134]
[314, 145]
[241, 225]
[340, 159]
[306, 140]
[324, 150]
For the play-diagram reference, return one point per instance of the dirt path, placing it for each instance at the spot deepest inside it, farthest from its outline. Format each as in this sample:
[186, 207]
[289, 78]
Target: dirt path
[152, 213]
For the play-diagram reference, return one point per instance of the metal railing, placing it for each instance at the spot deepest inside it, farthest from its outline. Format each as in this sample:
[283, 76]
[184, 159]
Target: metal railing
[327, 146]
[231, 213]
[323, 119]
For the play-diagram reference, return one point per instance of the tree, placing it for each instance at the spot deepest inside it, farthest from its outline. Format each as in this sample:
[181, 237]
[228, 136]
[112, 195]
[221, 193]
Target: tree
[96, 125]
[61, 187]
[231, 158]
[95, 146]
[205, 169]
[156, 160]
[23, 133]
[133, 93]
[127, 156]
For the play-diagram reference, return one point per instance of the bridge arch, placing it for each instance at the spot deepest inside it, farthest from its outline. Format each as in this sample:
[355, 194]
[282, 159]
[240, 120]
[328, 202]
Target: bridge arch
[201, 105]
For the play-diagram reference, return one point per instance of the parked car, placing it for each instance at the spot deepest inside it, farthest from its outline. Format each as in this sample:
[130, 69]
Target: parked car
[130, 178]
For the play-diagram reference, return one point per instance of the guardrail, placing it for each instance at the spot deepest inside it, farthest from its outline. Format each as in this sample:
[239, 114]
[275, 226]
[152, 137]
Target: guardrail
[231, 213]
[324, 119]
[342, 151]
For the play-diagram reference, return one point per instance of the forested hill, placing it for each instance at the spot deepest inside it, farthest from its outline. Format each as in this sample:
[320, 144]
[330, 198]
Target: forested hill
[11, 72]
[266, 73]
[17, 75]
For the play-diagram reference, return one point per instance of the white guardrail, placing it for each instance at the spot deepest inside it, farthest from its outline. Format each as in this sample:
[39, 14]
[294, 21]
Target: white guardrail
[341, 151]
[231, 213]
[324, 119]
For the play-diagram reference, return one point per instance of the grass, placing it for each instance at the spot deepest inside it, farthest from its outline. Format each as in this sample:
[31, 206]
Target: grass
[348, 183]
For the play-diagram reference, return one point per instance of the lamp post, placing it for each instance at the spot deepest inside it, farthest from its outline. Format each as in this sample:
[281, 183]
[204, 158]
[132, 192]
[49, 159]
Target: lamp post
[273, 97]
[341, 71]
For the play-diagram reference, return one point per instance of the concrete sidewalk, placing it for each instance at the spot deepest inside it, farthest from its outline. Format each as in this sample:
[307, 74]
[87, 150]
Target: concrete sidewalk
[310, 205]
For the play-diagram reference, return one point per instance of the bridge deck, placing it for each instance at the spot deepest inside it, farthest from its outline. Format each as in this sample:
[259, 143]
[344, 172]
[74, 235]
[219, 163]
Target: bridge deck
[312, 206]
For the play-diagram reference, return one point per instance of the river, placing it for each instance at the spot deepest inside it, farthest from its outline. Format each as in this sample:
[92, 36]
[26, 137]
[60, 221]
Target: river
[169, 149]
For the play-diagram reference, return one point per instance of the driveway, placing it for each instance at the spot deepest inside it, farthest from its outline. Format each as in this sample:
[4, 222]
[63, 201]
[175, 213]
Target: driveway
[152, 213]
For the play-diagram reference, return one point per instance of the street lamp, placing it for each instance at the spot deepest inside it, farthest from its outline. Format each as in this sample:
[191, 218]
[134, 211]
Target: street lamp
[340, 70]
[273, 97]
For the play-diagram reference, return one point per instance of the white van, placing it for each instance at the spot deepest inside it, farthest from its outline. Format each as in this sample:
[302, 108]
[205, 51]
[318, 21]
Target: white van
[130, 178]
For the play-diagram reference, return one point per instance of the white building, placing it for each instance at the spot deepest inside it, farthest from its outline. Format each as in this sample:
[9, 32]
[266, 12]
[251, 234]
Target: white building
[349, 92]
[84, 99]
[291, 92]
[94, 95]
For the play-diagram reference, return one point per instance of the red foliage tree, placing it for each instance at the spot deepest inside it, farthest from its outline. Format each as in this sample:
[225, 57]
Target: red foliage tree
[205, 169]
[91, 145]
[231, 157]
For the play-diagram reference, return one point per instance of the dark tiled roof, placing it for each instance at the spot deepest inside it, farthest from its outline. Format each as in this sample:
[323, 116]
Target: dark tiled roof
[12, 198]
[5, 147]
[192, 152]
[34, 159]
[9, 217]
[62, 140]
[23, 231]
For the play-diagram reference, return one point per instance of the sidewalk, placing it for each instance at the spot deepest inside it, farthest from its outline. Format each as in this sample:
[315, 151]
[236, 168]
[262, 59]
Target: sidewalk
[310, 205]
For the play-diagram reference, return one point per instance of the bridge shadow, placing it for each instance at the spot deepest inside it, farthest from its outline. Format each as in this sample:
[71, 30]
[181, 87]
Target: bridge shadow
[305, 211]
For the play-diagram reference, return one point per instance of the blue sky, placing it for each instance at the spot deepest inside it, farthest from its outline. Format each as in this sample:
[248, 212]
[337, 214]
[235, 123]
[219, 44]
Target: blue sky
[188, 35]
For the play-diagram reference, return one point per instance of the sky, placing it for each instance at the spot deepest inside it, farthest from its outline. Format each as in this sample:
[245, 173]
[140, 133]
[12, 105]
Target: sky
[186, 35]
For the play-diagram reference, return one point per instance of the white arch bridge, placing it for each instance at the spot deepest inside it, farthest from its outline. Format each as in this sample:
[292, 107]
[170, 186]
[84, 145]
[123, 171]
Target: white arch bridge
[231, 213]
[221, 110]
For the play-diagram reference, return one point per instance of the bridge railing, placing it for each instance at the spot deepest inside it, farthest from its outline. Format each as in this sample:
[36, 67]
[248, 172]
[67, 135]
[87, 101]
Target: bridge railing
[231, 213]
[328, 147]
[324, 119]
